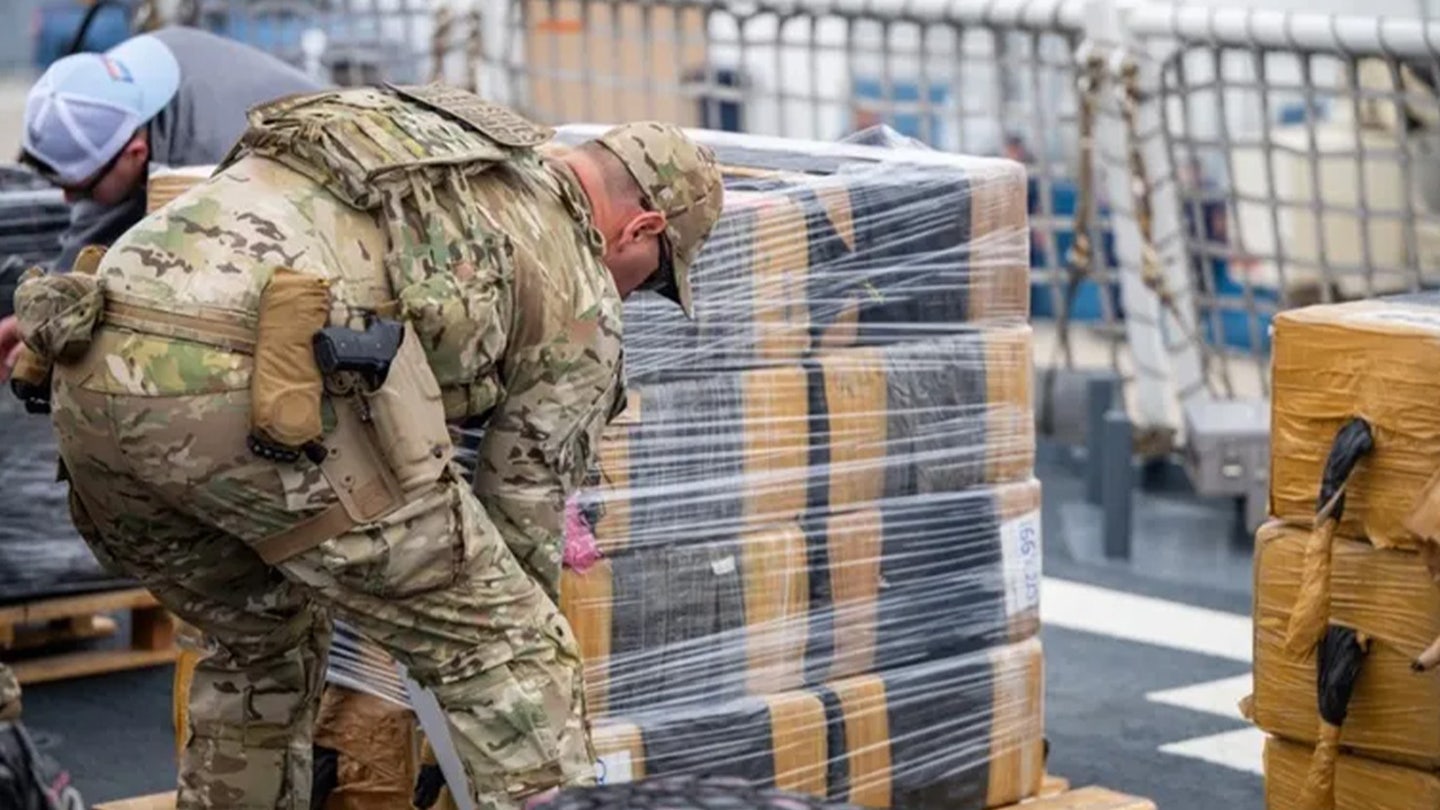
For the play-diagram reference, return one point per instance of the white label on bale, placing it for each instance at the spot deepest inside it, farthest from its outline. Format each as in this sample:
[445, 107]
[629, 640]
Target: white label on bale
[1020, 545]
[613, 768]
[723, 566]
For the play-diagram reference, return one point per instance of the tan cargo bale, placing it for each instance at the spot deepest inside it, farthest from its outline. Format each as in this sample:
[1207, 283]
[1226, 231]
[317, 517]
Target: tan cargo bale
[1360, 783]
[1373, 359]
[1385, 594]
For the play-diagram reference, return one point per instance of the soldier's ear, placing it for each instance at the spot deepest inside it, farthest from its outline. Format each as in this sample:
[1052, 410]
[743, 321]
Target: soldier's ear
[645, 224]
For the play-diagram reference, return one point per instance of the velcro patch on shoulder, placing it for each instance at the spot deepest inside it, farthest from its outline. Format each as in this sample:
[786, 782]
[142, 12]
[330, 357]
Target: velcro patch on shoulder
[500, 124]
[266, 110]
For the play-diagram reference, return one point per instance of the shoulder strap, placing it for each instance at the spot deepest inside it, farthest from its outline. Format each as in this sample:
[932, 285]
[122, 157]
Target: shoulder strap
[366, 144]
[500, 124]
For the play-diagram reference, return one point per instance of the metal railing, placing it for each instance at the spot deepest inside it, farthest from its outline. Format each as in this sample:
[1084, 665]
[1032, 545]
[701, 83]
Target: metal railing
[1218, 164]
[1224, 163]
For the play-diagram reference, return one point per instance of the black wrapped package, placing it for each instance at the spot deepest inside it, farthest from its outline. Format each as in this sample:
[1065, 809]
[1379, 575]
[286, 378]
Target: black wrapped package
[962, 733]
[41, 554]
[697, 459]
[906, 581]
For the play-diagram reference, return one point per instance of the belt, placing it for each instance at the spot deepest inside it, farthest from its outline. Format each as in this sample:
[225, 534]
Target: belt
[224, 329]
[365, 487]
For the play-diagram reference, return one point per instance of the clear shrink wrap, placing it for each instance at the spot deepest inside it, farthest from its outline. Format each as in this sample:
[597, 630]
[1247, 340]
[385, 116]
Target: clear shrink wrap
[824, 245]
[808, 553]
[41, 553]
[816, 521]
[949, 733]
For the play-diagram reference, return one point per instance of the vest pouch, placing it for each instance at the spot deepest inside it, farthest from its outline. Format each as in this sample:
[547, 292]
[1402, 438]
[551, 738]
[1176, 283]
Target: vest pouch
[409, 418]
[286, 385]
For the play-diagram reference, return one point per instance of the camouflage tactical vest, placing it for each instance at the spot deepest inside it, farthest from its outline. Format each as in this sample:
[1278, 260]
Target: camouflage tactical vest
[410, 154]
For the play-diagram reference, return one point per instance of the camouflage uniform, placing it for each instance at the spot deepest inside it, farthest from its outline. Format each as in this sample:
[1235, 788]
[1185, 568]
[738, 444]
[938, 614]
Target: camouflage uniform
[9, 695]
[486, 250]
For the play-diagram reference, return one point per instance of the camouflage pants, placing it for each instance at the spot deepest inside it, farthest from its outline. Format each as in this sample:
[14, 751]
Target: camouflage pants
[164, 489]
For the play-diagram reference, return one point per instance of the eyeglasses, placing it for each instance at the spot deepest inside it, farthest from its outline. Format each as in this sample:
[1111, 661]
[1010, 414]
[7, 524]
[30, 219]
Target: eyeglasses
[50, 176]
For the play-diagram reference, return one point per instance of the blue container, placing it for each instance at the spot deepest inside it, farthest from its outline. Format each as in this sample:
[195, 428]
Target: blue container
[1086, 305]
[57, 23]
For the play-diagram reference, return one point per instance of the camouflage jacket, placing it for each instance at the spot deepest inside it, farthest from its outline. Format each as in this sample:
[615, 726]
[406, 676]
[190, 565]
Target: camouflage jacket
[485, 247]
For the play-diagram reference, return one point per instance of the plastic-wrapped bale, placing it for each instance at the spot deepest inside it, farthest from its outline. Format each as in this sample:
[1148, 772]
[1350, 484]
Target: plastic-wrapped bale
[31, 222]
[923, 577]
[1373, 359]
[359, 664]
[844, 245]
[663, 625]
[1360, 783]
[370, 747]
[33, 215]
[751, 276]
[705, 458]
[1386, 594]
[910, 580]
[923, 417]
[41, 554]
[962, 733]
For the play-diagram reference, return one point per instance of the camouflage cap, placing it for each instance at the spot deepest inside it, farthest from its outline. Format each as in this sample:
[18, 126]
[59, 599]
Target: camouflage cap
[680, 179]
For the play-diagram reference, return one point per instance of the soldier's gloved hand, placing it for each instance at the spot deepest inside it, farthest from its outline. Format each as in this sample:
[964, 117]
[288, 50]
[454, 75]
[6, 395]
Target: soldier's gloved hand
[427, 786]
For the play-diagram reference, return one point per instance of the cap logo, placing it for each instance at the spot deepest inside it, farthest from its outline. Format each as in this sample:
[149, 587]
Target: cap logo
[117, 70]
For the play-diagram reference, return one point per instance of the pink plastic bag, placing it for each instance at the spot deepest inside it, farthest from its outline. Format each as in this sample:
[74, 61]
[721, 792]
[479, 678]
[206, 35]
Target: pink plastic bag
[581, 550]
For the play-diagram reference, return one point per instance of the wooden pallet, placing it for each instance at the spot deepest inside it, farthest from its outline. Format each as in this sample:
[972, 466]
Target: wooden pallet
[1055, 794]
[1092, 797]
[157, 801]
[44, 623]
[1053, 785]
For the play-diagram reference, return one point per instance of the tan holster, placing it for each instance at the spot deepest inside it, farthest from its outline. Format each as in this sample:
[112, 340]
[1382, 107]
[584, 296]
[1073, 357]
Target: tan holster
[379, 463]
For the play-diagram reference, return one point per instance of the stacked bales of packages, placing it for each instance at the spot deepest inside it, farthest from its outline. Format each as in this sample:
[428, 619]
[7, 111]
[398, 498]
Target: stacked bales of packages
[41, 554]
[1347, 588]
[817, 517]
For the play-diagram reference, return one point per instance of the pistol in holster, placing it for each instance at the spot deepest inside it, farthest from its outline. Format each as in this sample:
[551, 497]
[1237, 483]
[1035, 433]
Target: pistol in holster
[388, 439]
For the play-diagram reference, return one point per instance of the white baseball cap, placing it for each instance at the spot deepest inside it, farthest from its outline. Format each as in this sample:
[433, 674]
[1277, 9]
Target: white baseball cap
[87, 106]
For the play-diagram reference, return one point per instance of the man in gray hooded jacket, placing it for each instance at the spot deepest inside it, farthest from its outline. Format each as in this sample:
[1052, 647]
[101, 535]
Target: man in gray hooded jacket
[96, 122]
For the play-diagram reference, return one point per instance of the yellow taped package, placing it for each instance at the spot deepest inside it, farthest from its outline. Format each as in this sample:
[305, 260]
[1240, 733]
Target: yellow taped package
[1386, 594]
[1360, 783]
[1378, 360]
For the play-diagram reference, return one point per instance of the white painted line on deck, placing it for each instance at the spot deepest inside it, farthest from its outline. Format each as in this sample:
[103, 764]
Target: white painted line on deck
[1144, 619]
[1242, 750]
[1176, 626]
[1220, 697]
